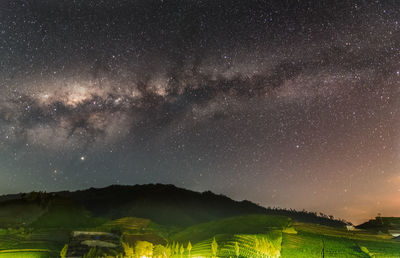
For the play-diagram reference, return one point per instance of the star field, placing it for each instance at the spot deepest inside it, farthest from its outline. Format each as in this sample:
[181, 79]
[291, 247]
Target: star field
[292, 104]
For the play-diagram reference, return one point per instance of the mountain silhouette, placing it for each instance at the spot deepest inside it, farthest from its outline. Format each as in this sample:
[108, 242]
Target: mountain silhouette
[164, 204]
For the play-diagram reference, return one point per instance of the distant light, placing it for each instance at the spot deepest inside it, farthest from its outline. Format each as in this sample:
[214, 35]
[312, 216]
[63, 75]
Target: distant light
[83, 158]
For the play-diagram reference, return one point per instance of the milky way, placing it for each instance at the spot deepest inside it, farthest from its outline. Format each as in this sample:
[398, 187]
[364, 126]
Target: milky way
[288, 104]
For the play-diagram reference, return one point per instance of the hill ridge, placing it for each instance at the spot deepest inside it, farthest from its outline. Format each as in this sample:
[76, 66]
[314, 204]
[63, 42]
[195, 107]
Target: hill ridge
[169, 204]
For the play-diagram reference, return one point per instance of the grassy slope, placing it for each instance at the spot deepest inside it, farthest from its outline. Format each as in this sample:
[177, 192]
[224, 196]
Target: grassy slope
[382, 224]
[52, 225]
[28, 254]
[46, 230]
[65, 214]
[163, 204]
[307, 240]
[251, 224]
[169, 205]
[19, 213]
[337, 242]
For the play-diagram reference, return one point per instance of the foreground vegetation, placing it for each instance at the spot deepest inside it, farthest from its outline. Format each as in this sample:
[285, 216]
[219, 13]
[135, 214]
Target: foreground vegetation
[54, 226]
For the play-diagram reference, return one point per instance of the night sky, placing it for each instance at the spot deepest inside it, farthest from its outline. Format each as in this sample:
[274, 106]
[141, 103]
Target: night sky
[293, 104]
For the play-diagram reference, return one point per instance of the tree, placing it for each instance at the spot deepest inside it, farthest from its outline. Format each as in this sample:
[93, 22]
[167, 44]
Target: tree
[63, 252]
[182, 250]
[256, 245]
[237, 250]
[267, 249]
[172, 248]
[214, 247]
[161, 251]
[264, 247]
[189, 248]
[128, 250]
[143, 248]
[93, 253]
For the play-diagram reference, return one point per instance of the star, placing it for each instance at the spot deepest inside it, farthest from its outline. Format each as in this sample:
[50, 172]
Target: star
[222, 97]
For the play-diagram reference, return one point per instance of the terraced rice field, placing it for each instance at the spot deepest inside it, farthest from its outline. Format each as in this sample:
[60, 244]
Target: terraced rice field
[31, 253]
